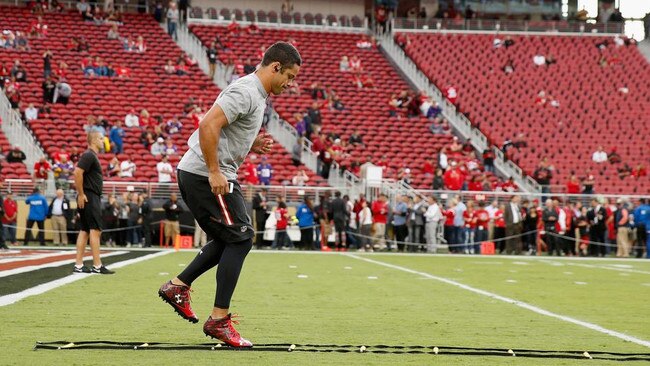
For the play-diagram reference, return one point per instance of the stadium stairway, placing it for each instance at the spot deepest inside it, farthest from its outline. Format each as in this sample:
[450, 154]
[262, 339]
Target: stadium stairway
[147, 87]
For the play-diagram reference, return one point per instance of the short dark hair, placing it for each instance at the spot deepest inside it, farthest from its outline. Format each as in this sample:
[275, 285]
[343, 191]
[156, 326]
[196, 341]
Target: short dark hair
[284, 53]
[337, 194]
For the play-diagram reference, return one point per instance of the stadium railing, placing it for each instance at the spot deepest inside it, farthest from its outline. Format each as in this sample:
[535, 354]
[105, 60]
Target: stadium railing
[17, 133]
[519, 26]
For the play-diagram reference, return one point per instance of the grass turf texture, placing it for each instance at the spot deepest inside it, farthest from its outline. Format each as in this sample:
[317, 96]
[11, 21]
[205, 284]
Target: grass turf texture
[335, 305]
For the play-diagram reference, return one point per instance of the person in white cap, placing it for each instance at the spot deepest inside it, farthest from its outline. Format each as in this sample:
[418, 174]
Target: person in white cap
[159, 147]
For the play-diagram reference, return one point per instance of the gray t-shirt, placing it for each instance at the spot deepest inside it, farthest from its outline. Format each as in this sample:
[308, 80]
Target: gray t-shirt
[172, 15]
[243, 102]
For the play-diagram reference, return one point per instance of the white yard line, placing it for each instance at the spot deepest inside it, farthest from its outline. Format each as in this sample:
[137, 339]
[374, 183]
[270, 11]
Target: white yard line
[629, 270]
[508, 300]
[18, 270]
[40, 289]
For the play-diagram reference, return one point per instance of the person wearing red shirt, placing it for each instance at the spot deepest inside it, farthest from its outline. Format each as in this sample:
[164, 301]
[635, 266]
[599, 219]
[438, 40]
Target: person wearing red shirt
[9, 219]
[639, 171]
[429, 168]
[573, 185]
[499, 228]
[482, 219]
[234, 28]
[451, 93]
[510, 185]
[453, 178]
[379, 210]
[250, 172]
[63, 153]
[469, 227]
[41, 169]
[569, 241]
[449, 228]
[475, 184]
[281, 236]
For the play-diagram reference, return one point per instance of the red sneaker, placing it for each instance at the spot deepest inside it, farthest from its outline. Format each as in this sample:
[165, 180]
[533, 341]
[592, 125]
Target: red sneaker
[223, 330]
[178, 297]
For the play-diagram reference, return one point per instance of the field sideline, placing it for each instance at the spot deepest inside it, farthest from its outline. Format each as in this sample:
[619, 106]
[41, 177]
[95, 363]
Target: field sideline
[518, 303]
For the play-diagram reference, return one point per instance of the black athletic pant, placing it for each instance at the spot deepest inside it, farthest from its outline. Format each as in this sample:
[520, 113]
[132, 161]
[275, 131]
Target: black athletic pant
[230, 258]
[41, 233]
[307, 238]
[401, 232]
[226, 221]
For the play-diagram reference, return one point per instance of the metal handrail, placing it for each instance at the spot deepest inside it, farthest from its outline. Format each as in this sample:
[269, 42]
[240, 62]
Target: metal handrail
[508, 26]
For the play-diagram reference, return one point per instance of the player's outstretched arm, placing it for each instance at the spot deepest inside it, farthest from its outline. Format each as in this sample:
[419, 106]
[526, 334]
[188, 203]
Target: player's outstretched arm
[209, 133]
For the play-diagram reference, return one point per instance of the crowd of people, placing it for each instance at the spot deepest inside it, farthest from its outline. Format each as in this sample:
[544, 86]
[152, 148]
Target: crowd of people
[508, 225]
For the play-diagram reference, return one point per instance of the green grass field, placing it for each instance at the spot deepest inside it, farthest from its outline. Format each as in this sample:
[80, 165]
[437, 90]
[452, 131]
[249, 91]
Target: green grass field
[344, 300]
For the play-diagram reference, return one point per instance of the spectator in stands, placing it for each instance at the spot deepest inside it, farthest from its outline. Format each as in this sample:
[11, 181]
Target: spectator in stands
[300, 179]
[543, 175]
[38, 28]
[451, 93]
[265, 172]
[488, 160]
[249, 67]
[253, 28]
[296, 152]
[15, 155]
[145, 119]
[317, 91]
[82, 6]
[37, 214]
[213, 58]
[31, 113]
[116, 137]
[172, 20]
[159, 147]
[113, 167]
[550, 60]
[356, 139]
[173, 126]
[165, 170]
[234, 29]
[599, 156]
[139, 46]
[113, 33]
[453, 178]
[131, 119]
[127, 168]
[63, 173]
[539, 60]
[19, 72]
[588, 184]
[47, 63]
[344, 64]
[614, 157]
[625, 171]
[41, 169]
[314, 117]
[355, 64]
[182, 68]
[573, 186]
[74, 155]
[639, 172]
[21, 42]
[62, 92]
[170, 148]
[509, 67]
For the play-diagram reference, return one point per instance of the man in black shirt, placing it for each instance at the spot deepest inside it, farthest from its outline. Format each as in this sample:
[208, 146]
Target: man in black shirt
[16, 155]
[172, 212]
[212, 59]
[261, 214]
[340, 217]
[145, 216]
[89, 184]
